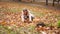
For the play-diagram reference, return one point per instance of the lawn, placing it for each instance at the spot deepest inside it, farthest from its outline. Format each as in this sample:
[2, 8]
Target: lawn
[10, 21]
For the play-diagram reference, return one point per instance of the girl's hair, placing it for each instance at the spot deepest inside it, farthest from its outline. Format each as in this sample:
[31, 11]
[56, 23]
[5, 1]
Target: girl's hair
[25, 10]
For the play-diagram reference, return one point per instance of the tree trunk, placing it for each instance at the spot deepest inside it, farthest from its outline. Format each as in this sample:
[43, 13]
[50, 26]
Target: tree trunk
[46, 2]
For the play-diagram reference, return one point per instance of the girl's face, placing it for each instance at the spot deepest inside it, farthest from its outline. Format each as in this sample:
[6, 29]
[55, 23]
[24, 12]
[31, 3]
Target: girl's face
[25, 12]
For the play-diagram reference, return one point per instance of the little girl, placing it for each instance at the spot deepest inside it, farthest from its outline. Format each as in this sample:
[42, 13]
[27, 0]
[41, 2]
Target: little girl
[27, 16]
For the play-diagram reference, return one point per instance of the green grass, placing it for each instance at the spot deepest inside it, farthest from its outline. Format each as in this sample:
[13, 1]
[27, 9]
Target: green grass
[14, 30]
[58, 24]
[10, 9]
[14, 10]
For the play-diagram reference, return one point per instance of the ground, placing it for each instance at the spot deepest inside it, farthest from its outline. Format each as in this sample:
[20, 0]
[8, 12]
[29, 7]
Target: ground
[10, 16]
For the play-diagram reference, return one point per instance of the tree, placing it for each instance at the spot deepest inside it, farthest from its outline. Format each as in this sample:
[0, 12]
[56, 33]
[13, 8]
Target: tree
[46, 2]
